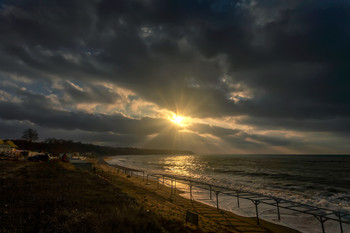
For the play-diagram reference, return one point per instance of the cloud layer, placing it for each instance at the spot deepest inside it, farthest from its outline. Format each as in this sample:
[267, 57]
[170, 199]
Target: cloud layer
[254, 77]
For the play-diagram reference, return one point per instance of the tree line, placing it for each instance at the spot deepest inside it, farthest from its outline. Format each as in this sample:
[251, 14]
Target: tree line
[56, 146]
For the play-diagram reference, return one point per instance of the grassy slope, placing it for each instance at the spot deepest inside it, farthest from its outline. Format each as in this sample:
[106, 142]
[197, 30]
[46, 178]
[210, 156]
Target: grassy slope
[53, 197]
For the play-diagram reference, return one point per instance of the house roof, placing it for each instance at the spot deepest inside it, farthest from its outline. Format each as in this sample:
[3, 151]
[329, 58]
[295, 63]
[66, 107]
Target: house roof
[10, 143]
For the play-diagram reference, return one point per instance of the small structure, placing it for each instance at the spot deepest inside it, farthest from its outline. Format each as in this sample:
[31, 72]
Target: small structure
[10, 143]
[7, 148]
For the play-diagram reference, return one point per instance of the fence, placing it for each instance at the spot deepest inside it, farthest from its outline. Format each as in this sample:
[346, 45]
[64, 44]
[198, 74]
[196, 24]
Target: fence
[321, 214]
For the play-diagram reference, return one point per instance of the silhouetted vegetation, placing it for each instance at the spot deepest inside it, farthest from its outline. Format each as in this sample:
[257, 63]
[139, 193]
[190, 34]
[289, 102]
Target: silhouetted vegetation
[56, 146]
[30, 135]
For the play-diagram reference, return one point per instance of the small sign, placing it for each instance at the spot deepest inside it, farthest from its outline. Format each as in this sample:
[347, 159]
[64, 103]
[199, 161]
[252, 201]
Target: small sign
[191, 218]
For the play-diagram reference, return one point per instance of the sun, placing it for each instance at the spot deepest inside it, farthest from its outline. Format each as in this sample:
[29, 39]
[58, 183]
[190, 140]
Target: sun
[178, 120]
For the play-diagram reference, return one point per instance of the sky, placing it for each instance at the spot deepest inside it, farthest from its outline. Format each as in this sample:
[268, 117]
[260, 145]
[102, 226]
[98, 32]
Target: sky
[211, 76]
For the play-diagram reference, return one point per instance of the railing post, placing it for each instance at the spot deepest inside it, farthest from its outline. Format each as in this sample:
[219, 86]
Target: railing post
[237, 199]
[171, 191]
[340, 222]
[143, 176]
[157, 182]
[210, 192]
[322, 225]
[322, 221]
[277, 200]
[191, 191]
[256, 203]
[175, 188]
[217, 199]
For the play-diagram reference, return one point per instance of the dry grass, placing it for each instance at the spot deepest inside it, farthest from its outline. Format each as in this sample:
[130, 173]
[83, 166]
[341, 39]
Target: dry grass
[52, 197]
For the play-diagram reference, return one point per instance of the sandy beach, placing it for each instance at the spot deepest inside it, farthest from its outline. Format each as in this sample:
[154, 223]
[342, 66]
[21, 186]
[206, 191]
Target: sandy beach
[173, 207]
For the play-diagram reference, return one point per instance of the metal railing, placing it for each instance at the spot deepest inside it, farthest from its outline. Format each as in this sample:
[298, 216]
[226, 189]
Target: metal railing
[321, 214]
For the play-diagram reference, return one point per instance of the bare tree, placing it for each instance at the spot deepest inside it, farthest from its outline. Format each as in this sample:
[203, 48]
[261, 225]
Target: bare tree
[30, 135]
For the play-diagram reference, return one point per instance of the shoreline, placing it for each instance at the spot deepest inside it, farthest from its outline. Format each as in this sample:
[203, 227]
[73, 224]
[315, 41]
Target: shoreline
[290, 211]
[209, 217]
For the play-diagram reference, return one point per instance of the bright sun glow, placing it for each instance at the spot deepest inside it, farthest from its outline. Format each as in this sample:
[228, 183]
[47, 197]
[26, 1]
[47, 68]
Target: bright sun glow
[179, 120]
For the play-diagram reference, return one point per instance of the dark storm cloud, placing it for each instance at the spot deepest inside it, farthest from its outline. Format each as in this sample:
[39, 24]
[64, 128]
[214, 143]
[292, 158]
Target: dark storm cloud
[339, 125]
[214, 130]
[59, 119]
[12, 128]
[89, 94]
[66, 93]
[239, 138]
[299, 70]
[107, 40]
[289, 59]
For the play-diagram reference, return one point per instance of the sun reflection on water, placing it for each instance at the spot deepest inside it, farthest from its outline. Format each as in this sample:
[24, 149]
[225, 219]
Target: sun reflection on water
[185, 165]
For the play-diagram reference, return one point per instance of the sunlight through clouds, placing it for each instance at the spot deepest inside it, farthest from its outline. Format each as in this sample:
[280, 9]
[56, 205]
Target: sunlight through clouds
[245, 76]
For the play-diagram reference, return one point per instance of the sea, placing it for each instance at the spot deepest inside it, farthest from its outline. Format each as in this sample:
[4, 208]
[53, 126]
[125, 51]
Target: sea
[317, 180]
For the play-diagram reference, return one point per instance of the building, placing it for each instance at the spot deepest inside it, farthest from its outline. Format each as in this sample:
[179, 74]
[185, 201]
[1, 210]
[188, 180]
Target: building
[7, 148]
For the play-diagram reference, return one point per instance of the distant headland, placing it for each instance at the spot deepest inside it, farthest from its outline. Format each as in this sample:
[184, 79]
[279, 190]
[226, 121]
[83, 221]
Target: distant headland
[58, 146]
